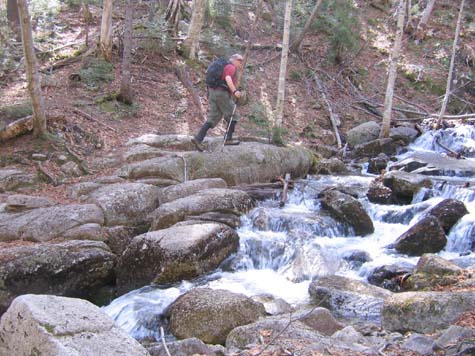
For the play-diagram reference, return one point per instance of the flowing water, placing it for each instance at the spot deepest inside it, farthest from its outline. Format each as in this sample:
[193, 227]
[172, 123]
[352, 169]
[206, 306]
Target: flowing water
[282, 249]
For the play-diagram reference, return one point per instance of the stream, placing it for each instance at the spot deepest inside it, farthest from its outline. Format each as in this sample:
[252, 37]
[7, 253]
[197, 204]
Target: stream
[282, 249]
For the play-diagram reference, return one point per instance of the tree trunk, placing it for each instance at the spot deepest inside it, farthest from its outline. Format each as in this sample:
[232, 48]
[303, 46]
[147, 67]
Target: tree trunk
[13, 18]
[192, 39]
[388, 100]
[173, 13]
[106, 31]
[31, 66]
[421, 27]
[126, 93]
[296, 44]
[451, 69]
[277, 130]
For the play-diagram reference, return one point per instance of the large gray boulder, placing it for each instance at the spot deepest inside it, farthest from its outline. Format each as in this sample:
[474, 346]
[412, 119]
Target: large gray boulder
[141, 152]
[426, 236]
[171, 142]
[210, 200]
[58, 326]
[61, 221]
[363, 133]
[71, 268]
[448, 212]
[174, 254]
[187, 188]
[376, 147]
[14, 179]
[126, 203]
[16, 203]
[210, 315]
[248, 163]
[425, 312]
[348, 298]
[405, 185]
[404, 134]
[347, 209]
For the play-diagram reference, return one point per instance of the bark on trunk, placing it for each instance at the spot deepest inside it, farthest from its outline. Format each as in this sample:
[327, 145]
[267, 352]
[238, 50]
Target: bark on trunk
[388, 100]
[181, 73]
[126, 93]
[105, 43]
[14, 18]
[279, 117]
[296, 44]
[421, 26]
[191, 42]
[31, 66]
[451, 69]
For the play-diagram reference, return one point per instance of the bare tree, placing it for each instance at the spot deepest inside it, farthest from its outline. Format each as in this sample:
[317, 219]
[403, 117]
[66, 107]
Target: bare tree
[13, 18]
[105, 43]
[173, 13]
[31, 66]
[126, 92]
[393, 62]
[192, 39]
[296, 43]
[279, 116]
[451, 69]
[421, 26]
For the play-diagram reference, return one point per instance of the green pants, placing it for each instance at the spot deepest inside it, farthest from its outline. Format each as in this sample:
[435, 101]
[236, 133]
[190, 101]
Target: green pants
[221, 105]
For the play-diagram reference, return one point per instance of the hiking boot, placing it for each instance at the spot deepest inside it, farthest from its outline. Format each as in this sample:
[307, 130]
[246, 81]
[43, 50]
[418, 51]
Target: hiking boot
[199, 146]
[232, 142]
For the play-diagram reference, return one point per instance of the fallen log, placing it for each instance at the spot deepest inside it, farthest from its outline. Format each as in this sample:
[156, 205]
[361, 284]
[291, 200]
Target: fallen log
[17, 128]
[283, 199]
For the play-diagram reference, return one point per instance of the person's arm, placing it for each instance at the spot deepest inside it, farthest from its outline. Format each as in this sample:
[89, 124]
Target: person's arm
[231, 86]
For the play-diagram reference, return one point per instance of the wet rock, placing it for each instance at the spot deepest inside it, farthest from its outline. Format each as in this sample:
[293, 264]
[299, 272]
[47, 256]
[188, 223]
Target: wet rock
[188, 311]
[272, 305]
[72, 268]
[420, 344]
[57, 326]
[409, 164]
[454, 336]
[391, 277]
[349, 210]
[431, 271]
[425, 312]
[378, 164]
[348, 298]
[14, 179]
[126, 204]
[19, 202]
[319, 319]
[448, 212]
[404, 134]
[187, 347]
[44, 224]
[174, 254]
[209, 200]
[187, 188]
[356, 258]
[426, 236]
[376, 147]
[379, 194]
[325, 151]
[332, 166]
[119, 237]
[405, 185]
[230, 219]
[363, 133]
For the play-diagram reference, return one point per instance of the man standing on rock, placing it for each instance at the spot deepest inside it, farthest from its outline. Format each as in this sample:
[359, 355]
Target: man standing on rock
[221, 82]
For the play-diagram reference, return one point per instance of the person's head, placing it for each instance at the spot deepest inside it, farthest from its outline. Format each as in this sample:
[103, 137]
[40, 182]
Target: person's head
[236, 60]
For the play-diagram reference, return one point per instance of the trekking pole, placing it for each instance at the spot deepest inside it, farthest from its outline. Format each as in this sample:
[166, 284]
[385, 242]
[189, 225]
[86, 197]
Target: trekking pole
[229, 125]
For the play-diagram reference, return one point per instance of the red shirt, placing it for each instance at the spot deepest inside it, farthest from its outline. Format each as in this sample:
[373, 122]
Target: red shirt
[230, 70]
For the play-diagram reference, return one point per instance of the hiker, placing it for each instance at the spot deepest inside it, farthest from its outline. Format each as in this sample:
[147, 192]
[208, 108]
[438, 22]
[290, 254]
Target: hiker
[221, 82]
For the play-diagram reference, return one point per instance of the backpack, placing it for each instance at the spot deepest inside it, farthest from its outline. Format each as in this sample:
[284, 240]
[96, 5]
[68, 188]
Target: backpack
[215, 72]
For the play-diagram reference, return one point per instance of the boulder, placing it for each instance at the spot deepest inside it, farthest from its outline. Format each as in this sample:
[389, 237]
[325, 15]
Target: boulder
[58, 326]
[210, 315]
[391, 277]
[375, 148]
[209, 200]
[379, 194]
[248, 163]
[405, 185]
[425, 312]
[187, 347]
[187, 188]
[119, 237]
[448, 212]
[378, 164]
[332, 166]
[454, 336]
[273, 305]
[14, 179]
[172, 142]
[365, 132]
[82, 189]
[319, 319]
[347, 209]
[420, 344]
[44, 224]
[426, 236]
[20, 202]
[71, 268]
[126, 204]
[348, 298]
[174, 254]
[404, 134]
[141, 152]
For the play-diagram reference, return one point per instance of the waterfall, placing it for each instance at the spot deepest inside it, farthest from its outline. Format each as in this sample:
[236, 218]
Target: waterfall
[282, 249]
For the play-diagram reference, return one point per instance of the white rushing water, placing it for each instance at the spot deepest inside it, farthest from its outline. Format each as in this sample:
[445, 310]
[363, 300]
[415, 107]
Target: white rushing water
[282, 249]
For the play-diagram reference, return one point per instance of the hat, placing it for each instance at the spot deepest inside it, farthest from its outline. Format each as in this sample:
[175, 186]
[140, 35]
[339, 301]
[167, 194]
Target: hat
[236, 57]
